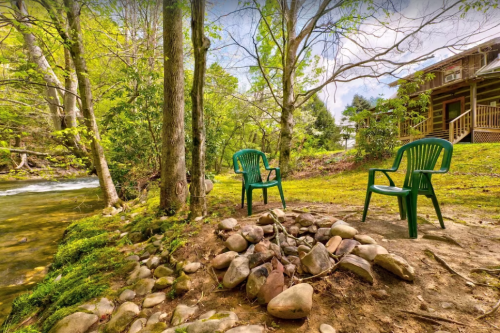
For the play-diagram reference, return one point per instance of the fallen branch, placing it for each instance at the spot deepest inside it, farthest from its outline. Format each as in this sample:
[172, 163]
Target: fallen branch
[451, 270]
[31, 152]
[489, 313]
[423, 315]
[443, 238]
[486, 270]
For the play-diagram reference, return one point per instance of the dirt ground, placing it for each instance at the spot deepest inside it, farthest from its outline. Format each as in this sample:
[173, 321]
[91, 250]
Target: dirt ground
[347, 303]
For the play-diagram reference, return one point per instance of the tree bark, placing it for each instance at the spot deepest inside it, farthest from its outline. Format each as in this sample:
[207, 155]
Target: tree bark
[78, 55]
[198, 203]
[173, 191]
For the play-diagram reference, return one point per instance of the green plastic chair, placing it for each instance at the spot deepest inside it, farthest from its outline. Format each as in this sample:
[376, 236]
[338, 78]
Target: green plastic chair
[250, 160]
[422, 156]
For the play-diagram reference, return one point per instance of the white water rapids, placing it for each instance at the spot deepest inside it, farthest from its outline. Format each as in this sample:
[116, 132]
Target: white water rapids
[52, 186]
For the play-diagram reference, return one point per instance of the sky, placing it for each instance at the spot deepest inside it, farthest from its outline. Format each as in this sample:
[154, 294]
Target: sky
[239, 24]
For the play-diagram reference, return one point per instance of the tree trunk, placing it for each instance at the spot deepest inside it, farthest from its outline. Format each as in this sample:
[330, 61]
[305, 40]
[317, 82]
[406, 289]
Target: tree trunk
[173, 160]
[78, 54]
[198, 203]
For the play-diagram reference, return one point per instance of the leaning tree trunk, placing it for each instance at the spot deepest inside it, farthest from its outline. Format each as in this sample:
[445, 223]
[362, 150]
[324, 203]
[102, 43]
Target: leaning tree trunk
[78, 54]
[198, 203]
[173, 159]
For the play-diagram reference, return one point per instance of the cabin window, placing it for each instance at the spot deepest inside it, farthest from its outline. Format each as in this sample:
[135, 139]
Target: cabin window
[452, 109]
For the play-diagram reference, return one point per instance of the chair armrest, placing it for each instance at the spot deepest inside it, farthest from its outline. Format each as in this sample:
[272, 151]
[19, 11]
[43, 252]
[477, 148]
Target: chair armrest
[431, 171]
[277, 170]
[371, 175]
[238, 171]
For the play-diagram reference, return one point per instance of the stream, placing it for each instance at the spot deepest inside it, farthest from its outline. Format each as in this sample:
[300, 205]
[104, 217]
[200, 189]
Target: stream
[33, 217]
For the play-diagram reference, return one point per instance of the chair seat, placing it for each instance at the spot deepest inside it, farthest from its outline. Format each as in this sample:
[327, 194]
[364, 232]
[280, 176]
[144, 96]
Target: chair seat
[264, 184]
[390, 190]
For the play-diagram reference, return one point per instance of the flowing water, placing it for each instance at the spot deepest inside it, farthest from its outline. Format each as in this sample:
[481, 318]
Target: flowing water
[33, 217]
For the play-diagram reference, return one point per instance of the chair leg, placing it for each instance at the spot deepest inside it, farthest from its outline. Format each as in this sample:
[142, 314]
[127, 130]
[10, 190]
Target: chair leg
[402, 208]
[438, 210]
[281, 195]
[249, 201]
[264, 193]
[367, 204]
[411, 211]
[242, 195]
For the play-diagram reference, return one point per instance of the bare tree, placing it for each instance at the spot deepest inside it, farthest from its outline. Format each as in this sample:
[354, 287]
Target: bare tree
[173, 160]
[201, 43]
[356, 40]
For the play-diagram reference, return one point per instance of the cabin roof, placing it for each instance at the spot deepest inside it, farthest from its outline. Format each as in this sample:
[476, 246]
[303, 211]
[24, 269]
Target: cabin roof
[451, 59]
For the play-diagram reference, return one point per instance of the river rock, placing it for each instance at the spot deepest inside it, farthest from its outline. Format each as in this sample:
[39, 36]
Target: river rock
[191, 267]
[368, 251]
[252, 233]
[182, 313]
[262, 246]
[343, 231]
[102, 308]
[133, 257]
[326, 222]
[219, 322]
[228, 224]
[223, 260]
[247, 329]
[396, 265]
[162, 271]
[293, 303]
[153, 299]
[306, 239]
[268, 229]
[317, 260]
[164, 282]
[76, 322]
[276, 249]
[340, 222]
[303, 230]
[346, 246]
[358, 266]
[265, 219]
[280, 214]
[312, 229]
[256, 279]
[127, 295]
[156, 318]
[250, 250]
[209, 186]
[207, 314]
[305, 219]
[322, 235]
[272, 287]
[237, 272]
[121, 318]
[141, 273]
[365, 239]
[291, 250]
[137, 325]
[259, 258]
[294, 230]
[144, 286]
[236, 243]
[333, 244]
[153, 262]
[325, 328]
[182, 284]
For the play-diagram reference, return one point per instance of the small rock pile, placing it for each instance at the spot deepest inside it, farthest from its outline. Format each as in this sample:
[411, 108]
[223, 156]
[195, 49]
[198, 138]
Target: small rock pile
[308, 245]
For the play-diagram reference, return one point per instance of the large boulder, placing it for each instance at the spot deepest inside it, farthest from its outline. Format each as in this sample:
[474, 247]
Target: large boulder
[293, 303]
[305, 219]
[78, 322]
[358, 266]
[368, 251]
[236, 243]
[238, 271]
[343, 231]
[317, 260]
[252, 233]
[182, 313]
[223, 260]
[122, 318]
[396, 265]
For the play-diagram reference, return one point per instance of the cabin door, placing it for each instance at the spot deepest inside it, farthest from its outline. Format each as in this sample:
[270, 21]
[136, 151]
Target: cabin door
[452, 109]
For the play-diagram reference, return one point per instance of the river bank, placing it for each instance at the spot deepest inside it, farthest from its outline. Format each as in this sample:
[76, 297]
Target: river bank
[33, 217]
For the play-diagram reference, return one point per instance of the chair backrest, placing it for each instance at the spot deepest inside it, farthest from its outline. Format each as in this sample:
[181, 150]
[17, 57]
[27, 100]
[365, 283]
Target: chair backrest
[423, 155]
[250, 160]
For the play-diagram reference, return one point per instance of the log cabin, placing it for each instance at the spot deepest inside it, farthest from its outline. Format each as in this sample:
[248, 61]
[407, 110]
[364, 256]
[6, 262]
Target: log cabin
[465, 98]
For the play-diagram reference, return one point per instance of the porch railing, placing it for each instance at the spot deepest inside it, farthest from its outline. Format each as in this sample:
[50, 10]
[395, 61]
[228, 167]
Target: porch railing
[488, 116]
[410, 132]
[460, 127]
